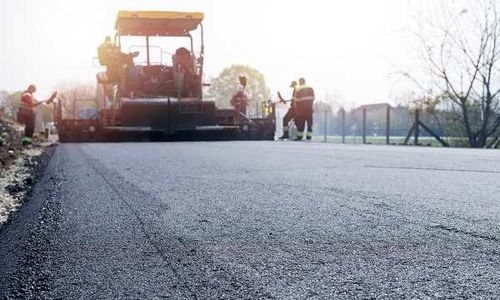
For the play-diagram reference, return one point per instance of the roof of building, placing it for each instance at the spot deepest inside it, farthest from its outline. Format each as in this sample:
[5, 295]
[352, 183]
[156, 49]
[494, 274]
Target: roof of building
[374, 106]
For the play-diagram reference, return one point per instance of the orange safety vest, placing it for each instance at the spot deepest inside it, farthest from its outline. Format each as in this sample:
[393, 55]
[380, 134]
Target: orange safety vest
[27, 102]
[305, 93]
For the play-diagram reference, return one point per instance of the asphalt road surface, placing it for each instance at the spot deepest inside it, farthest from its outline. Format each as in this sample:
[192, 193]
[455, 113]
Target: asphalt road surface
[254, 220]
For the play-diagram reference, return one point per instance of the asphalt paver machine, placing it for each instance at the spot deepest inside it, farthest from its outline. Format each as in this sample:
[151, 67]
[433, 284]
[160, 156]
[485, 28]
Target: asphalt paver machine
[149, 92]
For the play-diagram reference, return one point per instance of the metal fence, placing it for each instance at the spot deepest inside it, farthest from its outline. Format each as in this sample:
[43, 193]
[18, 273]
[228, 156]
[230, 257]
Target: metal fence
[375, 124]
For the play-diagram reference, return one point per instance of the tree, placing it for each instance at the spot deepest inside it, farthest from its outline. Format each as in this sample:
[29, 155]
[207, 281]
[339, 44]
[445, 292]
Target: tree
[9, 102]
[461, 50]
[224, 86]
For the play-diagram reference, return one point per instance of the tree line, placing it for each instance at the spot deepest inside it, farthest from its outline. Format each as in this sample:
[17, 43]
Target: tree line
[460, 57]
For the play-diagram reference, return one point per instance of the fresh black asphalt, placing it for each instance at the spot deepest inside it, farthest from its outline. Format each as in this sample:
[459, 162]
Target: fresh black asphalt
[257, 220]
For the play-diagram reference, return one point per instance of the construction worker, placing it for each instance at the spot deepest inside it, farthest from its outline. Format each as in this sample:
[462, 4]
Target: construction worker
[240, 99]
[305, 100]
[115, 61]
[27, 113]
[290, 114]
[183, 60]
[108, 52]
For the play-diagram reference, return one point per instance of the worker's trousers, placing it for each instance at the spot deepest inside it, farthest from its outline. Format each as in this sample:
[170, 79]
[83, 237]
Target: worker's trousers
[289, 116]
[27, 117]
[304, 117]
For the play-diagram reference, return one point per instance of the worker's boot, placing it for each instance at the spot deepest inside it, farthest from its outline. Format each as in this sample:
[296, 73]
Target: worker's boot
[284, 136]
[27, 141]
[309, 135]
[299, 136]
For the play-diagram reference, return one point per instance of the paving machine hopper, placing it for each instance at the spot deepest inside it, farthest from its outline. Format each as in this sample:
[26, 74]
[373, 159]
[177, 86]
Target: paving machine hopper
[151, 93]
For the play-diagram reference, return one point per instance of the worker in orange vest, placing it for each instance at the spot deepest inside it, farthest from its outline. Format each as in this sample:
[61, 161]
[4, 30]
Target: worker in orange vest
[305, 100]
[27, 114]
[240, 99]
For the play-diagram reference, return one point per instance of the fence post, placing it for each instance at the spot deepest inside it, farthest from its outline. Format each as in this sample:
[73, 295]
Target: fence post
[256, 109]
[325, 124]
[388, 125]
[342, 112]
[364, 125]
[417, 123]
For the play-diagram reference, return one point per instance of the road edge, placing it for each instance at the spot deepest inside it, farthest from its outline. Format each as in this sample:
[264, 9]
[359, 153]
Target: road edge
[17, 231]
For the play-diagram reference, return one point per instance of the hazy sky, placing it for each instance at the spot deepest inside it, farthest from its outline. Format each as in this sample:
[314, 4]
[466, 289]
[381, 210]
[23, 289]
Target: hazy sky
[347, 47]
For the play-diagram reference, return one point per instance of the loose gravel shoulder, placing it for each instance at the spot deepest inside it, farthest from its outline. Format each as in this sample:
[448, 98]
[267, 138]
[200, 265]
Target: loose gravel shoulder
[17, 178]
[11, 134]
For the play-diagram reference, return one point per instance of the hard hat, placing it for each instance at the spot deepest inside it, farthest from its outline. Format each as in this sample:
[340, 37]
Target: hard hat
[293, 84]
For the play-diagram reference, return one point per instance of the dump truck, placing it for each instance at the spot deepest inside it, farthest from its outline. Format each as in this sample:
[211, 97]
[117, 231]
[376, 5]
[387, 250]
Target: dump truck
[152, 88]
